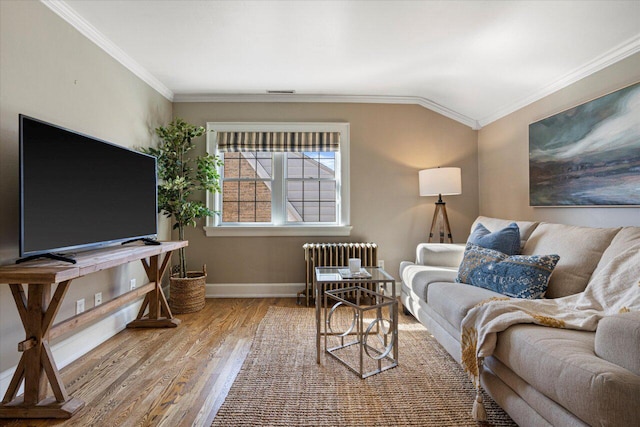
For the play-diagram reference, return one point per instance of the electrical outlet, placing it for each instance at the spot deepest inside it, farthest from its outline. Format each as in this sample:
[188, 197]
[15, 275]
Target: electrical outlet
[80, 306]
[97, 299]
[133, 284]
[381, 263]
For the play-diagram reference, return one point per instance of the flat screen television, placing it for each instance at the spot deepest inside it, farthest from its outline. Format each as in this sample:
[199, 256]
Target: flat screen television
[78, 192]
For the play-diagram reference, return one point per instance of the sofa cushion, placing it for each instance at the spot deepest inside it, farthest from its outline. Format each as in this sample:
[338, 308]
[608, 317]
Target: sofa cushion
[419, 308]
[516, 276]
[505, 240]
[561, 364]
[618, 340]
[623, 240]
[494, 224]
[452, 301]
[580, 249]
[551, 413]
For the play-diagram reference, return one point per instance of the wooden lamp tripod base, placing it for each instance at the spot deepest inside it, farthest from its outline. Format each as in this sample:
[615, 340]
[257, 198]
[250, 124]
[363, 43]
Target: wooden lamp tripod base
[440, 216]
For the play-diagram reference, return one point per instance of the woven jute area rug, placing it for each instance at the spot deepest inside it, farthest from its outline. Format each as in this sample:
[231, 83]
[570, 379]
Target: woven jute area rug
[280, 383]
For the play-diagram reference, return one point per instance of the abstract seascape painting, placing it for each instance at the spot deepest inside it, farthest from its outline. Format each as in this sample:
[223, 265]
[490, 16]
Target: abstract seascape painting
[588, 155]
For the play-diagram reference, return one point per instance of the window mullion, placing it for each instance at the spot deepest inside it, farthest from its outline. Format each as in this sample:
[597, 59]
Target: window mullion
[338, 181]
[278, 206]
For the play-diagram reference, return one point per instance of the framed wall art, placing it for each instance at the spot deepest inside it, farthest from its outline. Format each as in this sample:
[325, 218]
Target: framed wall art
[588, 155]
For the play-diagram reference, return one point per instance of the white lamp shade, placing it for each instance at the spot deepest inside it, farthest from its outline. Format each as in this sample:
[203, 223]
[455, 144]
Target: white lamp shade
[445, 181]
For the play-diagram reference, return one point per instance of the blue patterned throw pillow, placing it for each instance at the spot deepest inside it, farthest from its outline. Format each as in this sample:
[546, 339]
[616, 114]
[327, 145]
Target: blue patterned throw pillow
[516, 276]
[506, 240]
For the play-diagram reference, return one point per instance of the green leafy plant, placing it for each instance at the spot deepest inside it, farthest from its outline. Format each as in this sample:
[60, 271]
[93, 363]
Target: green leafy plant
[181, 175]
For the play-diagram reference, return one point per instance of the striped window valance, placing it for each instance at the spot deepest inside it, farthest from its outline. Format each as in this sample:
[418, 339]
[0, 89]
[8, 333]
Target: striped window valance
[278, 141]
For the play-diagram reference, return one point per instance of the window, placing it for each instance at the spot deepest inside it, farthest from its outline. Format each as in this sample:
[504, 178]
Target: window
[246, 187]
[281, 179]
[311, 187]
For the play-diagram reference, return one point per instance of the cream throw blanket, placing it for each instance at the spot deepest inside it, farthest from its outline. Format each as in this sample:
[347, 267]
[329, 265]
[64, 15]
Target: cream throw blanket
[615, 289]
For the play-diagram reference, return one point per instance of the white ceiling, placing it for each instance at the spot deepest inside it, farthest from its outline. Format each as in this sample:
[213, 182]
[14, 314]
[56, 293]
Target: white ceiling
[474, 61]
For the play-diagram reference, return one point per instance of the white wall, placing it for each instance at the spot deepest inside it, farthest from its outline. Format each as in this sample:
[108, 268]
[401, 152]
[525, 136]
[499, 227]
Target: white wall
[48, 70]
[503, 155]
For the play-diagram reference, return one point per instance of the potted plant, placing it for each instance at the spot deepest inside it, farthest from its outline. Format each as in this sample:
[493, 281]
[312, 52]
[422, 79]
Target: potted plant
[180, 175]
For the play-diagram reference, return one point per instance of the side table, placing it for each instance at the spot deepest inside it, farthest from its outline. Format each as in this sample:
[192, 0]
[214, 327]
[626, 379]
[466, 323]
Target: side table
[330, 276]
[376, 342]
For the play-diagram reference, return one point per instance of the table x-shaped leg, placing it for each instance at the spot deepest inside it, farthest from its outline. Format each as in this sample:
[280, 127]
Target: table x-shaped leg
[159, 314]
[36, 366]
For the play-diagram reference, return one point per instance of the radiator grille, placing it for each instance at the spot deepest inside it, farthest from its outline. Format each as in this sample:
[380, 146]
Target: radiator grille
[336, 255]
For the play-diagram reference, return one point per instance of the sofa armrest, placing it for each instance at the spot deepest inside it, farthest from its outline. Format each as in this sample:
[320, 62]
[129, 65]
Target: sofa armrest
[440, 254]
[416, 278]
[618, 340]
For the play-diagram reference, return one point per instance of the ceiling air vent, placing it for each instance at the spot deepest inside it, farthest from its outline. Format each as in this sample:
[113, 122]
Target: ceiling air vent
[281, 92]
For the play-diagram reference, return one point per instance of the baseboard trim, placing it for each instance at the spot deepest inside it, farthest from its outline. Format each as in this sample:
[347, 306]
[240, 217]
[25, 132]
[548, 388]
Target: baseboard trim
[253, 290]
[81, 342]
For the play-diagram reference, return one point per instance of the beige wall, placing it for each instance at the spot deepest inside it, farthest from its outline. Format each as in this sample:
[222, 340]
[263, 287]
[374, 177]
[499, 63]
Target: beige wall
[503, 152]
[50, 71]
[389, 145]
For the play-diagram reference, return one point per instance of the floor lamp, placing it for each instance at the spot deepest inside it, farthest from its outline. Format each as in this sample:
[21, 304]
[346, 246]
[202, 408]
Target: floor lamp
[438, 182]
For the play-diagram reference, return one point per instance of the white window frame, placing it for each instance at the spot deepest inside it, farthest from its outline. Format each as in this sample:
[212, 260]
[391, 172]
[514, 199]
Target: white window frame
[279, 226]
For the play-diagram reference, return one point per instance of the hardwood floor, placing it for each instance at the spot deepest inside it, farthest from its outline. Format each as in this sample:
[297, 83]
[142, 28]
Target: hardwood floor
[165, 377]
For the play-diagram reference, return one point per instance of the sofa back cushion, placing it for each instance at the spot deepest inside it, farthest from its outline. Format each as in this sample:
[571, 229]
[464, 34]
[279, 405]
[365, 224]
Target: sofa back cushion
[495, 224]
[580, 250]
[623, 240]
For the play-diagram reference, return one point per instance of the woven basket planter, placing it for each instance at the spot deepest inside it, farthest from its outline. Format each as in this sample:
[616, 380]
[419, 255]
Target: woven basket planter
[186, 295]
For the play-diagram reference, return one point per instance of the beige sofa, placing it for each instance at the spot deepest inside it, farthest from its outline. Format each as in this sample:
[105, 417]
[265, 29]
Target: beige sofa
[540, 376]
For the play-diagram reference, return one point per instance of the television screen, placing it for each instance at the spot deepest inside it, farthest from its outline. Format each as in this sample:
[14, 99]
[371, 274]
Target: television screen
[77, 191]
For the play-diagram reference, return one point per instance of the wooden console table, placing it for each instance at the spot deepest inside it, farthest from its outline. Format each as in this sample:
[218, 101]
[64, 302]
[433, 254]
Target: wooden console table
[38, 309]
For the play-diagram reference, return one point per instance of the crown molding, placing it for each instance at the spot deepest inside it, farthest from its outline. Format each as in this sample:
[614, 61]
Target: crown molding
[62, 9]
[353, 99]
[618, 53]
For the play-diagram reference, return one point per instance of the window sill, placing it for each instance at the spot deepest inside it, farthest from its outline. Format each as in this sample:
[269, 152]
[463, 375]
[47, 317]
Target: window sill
[266, 231]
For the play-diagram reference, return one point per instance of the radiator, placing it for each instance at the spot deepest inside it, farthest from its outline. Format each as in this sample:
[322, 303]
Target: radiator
[335, 255]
